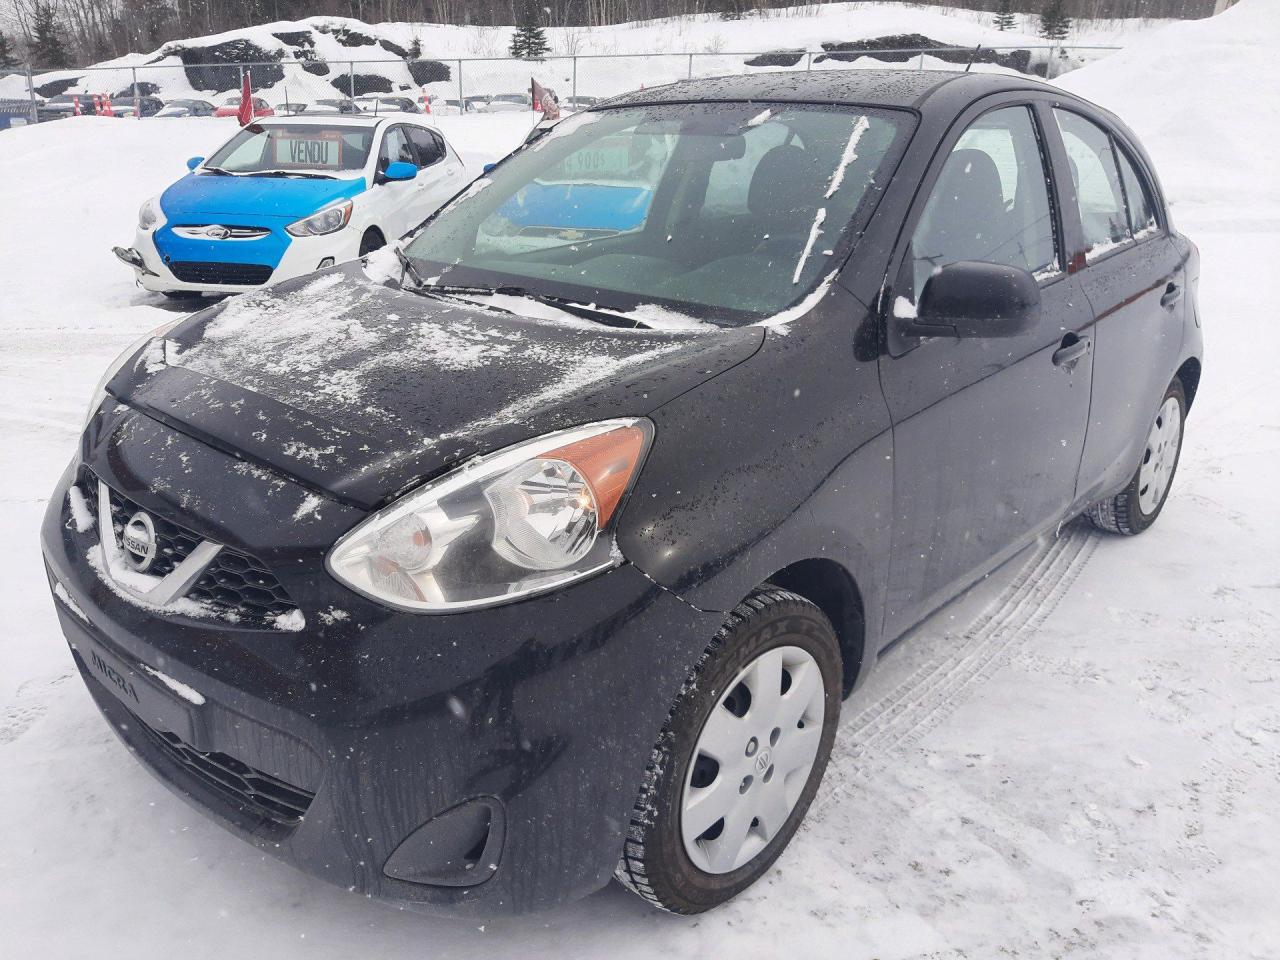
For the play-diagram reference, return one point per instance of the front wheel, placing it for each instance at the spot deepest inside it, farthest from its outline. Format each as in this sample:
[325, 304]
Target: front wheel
[1136, 507]
[740, 758]
[371, 241]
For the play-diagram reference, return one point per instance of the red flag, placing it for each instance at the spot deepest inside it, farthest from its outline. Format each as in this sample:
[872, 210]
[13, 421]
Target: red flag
[544, 101]
[106, 106]
[426, 101]
[75, 106]
[245, 113]
[97, 105]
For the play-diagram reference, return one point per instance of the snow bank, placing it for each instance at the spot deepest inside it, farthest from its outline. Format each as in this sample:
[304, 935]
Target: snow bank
[1204, 97]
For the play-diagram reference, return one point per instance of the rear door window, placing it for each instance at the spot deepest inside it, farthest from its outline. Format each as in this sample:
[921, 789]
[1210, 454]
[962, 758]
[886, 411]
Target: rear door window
[990, 203]
[430, 146]
[1092, 156]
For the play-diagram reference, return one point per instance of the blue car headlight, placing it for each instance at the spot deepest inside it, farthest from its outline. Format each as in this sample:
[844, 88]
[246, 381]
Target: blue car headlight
[149, 214]
[329, 220]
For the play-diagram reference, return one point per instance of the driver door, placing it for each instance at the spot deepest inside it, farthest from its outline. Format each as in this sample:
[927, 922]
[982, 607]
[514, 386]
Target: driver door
[392, 201]
[987, 433]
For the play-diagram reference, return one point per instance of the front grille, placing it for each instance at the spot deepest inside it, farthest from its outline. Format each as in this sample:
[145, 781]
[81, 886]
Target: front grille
[199, 231]
[262, 793]
[235, 584]
[236, 581]
[173, 543]
[232, 274]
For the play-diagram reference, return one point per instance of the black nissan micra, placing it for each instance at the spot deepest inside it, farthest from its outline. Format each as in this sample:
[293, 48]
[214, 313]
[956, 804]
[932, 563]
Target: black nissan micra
[544, 547]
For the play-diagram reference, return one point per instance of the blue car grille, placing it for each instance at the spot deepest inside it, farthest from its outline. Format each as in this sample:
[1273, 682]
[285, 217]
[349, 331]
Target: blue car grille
[231, 274]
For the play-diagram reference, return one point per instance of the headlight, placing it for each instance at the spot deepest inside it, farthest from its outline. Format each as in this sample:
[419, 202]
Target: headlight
[329, 220]
[149, 214]
[525, 520]
[100, 391]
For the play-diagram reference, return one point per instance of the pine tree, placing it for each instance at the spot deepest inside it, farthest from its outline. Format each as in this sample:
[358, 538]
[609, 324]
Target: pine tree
[529, 42]
[8, 56]
[48, 45]
[1005, 17]
[1054, 22]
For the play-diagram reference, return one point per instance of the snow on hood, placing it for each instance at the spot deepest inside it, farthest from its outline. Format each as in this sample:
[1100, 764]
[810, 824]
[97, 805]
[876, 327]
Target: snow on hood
[359, 388]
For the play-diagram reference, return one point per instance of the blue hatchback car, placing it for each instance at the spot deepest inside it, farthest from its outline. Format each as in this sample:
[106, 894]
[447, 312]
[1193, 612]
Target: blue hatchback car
[286, 196]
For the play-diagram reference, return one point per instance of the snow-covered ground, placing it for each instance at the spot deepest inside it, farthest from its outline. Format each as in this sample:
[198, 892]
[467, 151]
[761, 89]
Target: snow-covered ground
[1080, 758]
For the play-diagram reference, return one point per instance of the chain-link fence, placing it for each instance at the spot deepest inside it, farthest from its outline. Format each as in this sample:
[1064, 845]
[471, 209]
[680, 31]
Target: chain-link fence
[466, 85]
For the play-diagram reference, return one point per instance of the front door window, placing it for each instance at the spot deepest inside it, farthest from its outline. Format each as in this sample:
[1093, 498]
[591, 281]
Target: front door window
[990, 203]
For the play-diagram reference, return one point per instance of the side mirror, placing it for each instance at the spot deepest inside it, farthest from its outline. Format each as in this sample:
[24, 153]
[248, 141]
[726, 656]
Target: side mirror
[488, 167]
[194, 162]
[399, 170]
[972, 299]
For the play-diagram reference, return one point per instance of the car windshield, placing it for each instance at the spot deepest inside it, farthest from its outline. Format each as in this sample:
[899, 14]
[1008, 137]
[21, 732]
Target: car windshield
[299, 148]
[726, 212]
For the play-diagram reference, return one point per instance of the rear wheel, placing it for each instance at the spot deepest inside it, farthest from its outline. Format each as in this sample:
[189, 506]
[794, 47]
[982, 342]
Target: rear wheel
[740, 758]
[1136, 507]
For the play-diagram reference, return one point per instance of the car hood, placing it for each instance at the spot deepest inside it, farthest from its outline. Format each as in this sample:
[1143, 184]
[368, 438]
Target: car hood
[360, 390]
[194, 199]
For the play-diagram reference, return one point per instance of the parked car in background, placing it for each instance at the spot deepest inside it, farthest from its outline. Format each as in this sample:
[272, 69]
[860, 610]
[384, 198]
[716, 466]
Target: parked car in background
[508, 103]
[334, 105]
[386, 104]
[479, 582]
[64, 105]
[286, 196]
[147, 107]
[186, 108]
[231, 107]
[475, 104]
[580, 103]
[290, 108]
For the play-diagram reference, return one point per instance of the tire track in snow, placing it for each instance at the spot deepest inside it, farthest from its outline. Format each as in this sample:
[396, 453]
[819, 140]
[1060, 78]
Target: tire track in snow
[898, 720]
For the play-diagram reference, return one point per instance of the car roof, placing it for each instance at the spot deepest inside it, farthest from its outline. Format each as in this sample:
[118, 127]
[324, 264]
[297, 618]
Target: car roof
[885, 88]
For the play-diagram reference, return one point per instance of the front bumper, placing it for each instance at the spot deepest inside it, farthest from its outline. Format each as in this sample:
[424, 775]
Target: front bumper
[543, 712]
[288, 257]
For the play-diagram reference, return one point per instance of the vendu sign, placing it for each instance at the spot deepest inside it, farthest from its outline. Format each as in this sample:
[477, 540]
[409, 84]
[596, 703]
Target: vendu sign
[320, 150]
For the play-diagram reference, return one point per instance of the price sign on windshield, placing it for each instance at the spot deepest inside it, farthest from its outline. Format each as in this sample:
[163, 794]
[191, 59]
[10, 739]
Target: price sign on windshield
[321, 149]
[606, 159]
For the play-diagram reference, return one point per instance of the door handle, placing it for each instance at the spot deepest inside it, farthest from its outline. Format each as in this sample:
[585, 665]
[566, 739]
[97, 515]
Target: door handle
[1172, 294]
[1071, 350]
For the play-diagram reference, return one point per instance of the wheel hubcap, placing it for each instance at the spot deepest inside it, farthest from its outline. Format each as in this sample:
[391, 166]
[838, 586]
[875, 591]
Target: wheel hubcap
[752, 759]
[1161, 456]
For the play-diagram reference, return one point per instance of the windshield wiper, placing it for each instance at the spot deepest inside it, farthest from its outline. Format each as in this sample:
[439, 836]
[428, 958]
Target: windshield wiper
[219, 172]
[291, 173]
[464, 292]
[406, 265]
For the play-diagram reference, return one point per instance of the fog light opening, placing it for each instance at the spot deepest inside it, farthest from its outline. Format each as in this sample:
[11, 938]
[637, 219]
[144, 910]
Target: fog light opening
[458, 848]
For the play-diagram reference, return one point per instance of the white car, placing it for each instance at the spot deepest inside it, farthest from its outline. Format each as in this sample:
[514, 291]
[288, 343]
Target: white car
[508, 103]
[289, 195]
